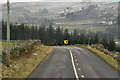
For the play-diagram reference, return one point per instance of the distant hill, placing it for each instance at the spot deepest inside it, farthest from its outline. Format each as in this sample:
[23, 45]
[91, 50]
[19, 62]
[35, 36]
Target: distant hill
[44, 13]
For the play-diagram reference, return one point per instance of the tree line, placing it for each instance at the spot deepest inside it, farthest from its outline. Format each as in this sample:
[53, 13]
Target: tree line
[54, 36]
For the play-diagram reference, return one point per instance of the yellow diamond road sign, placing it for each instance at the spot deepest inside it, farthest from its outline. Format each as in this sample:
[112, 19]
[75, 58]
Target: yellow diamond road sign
[65, 41]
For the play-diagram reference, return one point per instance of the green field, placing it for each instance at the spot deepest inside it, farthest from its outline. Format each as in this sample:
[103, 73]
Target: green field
[86, 25]
[4, 44]
[92, 28]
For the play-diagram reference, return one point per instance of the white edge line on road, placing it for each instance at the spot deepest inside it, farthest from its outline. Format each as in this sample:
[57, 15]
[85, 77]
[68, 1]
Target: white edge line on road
[74, 68]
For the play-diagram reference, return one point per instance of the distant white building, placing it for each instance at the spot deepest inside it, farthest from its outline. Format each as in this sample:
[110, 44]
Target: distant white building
[107, 22]
[110, 22]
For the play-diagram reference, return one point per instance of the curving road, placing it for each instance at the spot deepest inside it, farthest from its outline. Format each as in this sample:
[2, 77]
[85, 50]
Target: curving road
[73, 62]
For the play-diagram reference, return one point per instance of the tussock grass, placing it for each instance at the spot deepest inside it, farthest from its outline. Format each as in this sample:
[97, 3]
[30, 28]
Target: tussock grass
[107, 58]
[23, 66]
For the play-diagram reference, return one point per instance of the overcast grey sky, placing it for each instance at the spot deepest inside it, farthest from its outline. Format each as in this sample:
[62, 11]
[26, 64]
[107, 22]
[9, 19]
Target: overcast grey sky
[11, 1]
[4, 1]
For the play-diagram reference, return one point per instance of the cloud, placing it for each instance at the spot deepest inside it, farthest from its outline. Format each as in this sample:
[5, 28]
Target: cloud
[13, 1]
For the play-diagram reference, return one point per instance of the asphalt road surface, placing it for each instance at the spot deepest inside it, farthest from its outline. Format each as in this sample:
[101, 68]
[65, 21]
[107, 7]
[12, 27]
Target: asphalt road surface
[73, 62]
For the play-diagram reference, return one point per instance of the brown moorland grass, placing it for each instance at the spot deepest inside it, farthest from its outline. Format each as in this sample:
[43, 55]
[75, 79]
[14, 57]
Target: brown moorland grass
[25, 65]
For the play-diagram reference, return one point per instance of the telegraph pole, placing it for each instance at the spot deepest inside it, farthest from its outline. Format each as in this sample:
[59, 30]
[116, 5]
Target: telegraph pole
[89, 36]
[8, 34]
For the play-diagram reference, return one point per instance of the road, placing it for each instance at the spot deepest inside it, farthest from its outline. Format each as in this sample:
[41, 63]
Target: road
[73, 62]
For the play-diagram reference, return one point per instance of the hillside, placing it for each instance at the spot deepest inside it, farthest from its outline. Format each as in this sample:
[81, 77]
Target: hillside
[40, 12]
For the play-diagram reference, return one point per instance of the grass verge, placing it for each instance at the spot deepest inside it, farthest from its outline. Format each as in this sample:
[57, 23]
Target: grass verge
[107, 58]
[23, 66]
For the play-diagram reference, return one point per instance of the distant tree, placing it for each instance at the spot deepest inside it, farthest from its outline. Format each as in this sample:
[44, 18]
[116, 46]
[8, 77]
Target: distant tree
[59, 36]
[71, 38]
[111, 45]
[82, 39]
[41, 33]
[104, 41]
[66, 35]
[22, 32]
[32, 32]
[75, 37]
[4, 30]
[50, 37]
[27, 32]
[99, 34]
[95, 39]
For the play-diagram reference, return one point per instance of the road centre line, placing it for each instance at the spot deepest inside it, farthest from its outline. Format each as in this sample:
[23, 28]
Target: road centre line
[74, 68]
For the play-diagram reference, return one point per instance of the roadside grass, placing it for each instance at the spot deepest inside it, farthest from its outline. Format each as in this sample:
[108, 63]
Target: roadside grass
[107, 58]
[25, 65]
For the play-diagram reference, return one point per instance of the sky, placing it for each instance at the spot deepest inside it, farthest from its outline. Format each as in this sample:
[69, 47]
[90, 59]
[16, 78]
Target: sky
[13, 1]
